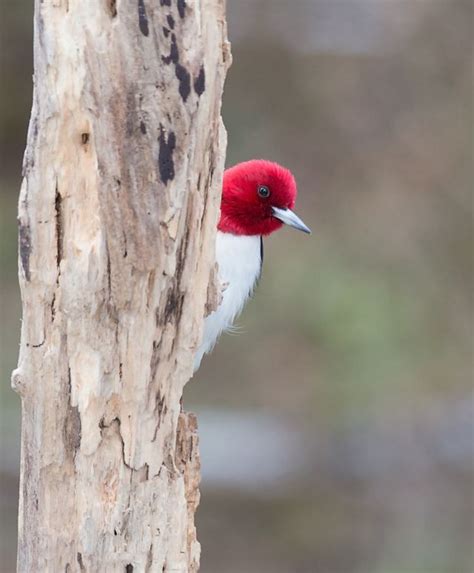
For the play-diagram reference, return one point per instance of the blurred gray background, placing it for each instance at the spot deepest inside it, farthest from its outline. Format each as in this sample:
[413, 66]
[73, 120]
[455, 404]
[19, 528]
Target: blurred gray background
[337, 426]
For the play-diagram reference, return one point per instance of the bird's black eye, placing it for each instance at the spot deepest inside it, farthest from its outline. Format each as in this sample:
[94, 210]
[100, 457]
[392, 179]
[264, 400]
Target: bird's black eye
[263, 191]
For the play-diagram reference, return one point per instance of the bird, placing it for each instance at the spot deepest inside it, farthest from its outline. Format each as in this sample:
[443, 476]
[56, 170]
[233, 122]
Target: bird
[257, 199]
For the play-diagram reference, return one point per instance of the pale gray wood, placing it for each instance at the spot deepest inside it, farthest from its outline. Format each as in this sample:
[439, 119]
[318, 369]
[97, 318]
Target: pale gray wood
[117, 217]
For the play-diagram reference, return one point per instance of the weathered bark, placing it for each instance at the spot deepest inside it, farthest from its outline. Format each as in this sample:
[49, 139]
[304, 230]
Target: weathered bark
[117, 216]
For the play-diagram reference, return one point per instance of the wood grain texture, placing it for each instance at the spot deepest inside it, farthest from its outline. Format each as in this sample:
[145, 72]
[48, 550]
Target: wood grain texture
[117, 217]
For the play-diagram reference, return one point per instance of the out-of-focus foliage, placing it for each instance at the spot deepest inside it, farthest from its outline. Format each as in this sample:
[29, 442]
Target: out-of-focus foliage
[337, 426]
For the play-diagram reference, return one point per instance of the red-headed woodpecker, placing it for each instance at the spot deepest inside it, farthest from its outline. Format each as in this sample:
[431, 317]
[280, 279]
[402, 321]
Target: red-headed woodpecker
[257, 198]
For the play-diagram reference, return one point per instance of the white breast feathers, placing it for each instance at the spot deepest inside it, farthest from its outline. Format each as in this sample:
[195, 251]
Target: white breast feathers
[239, 261]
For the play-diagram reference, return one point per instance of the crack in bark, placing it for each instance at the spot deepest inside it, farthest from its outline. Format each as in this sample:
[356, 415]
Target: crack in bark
[36, 345]
[72, 431]
[207, 187]
[141, 473]
[181, 73]
[149, 559]
[150, 287]
[160, 410]
[109, 270]
[174, 52]
[155, 356]
[182, 8]
[175, 296]
[29, 158]
[25, 247]
[53, 307]
[59, 227]
[165, 155]
[112, 6]
[184, 78]
[142, 18]
[174, 304]
[58, 217]
[200, 82]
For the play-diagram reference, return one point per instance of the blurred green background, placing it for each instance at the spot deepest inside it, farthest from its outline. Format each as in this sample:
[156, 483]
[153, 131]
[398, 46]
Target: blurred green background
[337, 426]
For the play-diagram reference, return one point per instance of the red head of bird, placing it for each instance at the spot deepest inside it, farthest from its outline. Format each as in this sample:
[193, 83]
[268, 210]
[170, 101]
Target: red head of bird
[257, 199]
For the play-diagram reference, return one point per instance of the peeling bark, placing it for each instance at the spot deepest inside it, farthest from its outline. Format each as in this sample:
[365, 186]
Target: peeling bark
[117, 216]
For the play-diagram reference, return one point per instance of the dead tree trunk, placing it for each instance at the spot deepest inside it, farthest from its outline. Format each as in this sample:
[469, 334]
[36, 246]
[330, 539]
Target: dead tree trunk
[117, 217]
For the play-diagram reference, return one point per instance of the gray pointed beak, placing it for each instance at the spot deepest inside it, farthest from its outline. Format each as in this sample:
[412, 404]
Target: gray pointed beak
[289, 218]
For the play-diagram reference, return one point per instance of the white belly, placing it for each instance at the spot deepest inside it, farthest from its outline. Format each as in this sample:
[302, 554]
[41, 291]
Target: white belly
[239, 260]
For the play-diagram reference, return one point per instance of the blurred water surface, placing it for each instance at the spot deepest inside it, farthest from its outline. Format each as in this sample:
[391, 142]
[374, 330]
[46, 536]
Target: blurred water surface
[337, 426]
